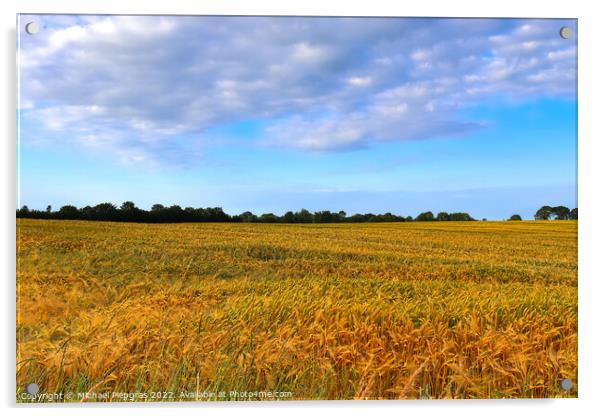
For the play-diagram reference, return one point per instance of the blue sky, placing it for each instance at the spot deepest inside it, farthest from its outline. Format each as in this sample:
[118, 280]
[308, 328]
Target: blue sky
[277, 114]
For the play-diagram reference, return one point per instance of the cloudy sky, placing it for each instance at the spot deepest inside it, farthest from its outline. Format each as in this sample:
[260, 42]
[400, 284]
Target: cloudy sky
[281, 113]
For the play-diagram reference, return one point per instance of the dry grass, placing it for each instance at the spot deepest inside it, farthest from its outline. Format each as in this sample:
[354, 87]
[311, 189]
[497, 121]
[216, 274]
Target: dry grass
[365, 311]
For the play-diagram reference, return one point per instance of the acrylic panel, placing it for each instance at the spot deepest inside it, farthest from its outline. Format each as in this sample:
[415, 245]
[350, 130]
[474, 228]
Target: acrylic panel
[217, 208]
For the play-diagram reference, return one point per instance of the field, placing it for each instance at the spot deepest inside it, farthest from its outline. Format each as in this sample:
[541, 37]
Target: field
[330, 311]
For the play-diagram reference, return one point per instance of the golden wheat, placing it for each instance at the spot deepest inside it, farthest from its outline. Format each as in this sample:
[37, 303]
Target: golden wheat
[332, 311]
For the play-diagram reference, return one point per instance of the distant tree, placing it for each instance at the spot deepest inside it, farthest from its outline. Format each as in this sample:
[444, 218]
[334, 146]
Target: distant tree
[370, 217]
[388, 217]
[105, 212]
[443, 216]
[304, 216]
[515, 217]
[190, 214]
[128, 206]
[217, 214]
[544, 213]
[323, 217]
[128, 211]
[335, 217]
[484, 219]
[561, 212]
[425, 216]
[158, 213]
[289, 217]
[460, 216]
[68, 212]
[23, 212]
[175, 213]
[573, 215]
[87, 212]
[248, 216]
[357, 218]
[269, 217]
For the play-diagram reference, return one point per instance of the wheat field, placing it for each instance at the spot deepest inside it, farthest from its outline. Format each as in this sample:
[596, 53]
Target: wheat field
[321, 311]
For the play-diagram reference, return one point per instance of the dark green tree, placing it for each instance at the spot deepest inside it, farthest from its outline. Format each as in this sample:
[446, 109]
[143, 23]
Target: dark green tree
[23, 212]
[544, 213]
[443, 216]
[269, 217]
[323, 217]
[248, 216]
[289, 217]
[87, 212]
[129, 212]
[304, 216]
[460, 216]
[128, 206]
[515, 217]
[217, 214]
[561, 212]
[425, 216]
[68, 212]
[105, 212]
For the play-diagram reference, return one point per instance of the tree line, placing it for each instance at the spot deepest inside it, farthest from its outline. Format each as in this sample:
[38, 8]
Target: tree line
[551, 213]
[129, 212]
[557, 213]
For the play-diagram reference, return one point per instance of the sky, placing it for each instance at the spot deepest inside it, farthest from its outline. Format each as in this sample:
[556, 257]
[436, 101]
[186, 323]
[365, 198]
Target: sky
[271, 114]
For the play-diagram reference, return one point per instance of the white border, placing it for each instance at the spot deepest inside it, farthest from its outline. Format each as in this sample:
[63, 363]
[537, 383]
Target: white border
[590, 232]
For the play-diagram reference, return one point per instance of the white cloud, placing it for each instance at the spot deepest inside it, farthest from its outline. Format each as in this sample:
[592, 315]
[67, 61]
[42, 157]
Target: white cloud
[561, 54]
[420, 55]
[311, 54]
[359, 81]
[149, 88]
